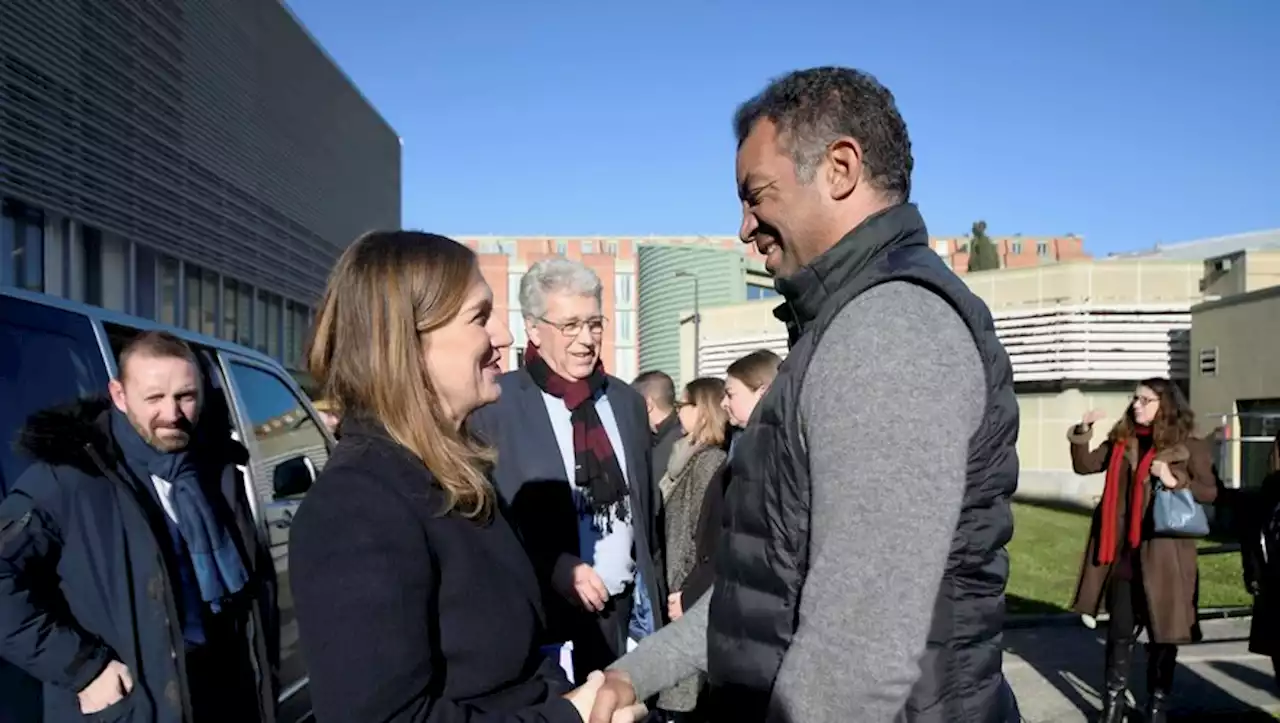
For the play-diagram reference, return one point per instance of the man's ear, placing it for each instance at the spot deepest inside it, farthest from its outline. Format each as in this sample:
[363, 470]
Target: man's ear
[116, 390]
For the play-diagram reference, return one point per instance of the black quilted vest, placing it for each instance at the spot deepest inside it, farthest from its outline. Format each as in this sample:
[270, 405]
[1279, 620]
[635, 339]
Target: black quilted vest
[762, 566]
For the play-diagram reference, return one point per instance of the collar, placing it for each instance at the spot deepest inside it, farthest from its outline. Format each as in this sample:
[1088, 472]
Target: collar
[668, 425]
[807, 290]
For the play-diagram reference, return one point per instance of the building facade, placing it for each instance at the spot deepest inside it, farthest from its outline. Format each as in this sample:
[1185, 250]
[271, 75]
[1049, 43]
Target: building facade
[201, 164]
[505, 259]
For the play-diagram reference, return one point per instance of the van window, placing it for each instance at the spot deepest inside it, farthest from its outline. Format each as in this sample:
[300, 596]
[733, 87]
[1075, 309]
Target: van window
[45, 361]
[282, 428]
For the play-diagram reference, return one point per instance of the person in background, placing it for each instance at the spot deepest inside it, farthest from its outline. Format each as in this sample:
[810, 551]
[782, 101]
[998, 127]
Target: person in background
[1145, 581]
[1260, 556]
[415, 600]
[329, 414]
[659, 394]
[573, 447]
[132, 583]
[746, 381]
[697, 462]
[838, 596]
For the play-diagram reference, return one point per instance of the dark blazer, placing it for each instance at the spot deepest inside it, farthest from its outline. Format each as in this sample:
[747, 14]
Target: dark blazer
[1258, 513]
[531, 478]
[405, 614]
[87, 571]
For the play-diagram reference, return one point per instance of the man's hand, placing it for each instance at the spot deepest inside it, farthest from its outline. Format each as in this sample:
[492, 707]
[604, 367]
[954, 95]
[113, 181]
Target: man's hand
[109, 688]
[584, 696]
[675, 606]
[616, 700]
[589, 588]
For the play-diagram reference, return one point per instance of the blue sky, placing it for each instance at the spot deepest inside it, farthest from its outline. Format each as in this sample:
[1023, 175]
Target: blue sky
[1128, 123]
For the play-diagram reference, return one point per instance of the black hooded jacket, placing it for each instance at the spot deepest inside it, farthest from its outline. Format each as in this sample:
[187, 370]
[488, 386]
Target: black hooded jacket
[86, 572]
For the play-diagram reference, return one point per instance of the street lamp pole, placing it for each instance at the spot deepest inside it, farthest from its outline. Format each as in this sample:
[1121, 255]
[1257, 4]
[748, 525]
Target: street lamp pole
[697, 323]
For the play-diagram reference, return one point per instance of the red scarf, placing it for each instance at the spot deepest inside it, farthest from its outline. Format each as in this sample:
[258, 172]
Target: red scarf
[1111, 497]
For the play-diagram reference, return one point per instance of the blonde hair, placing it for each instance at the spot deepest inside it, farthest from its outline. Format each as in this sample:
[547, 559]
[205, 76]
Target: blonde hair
[706, 394]
[388, 289]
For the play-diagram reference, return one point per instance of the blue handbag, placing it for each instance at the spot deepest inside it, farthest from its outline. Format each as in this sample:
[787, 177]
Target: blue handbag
[1175, 513]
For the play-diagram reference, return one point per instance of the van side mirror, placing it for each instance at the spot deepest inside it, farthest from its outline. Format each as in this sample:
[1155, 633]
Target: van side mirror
[293, 476]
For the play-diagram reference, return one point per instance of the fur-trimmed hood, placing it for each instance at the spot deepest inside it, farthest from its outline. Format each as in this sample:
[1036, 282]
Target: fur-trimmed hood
[62, 436]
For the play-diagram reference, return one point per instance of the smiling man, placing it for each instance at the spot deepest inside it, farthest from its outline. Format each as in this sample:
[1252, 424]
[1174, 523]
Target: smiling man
[863, 573]
[123, 582]
[573, 464]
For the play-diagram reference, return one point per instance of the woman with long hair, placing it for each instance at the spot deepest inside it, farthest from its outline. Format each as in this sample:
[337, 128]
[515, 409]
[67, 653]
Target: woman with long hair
[414, 598]
[1145, 580]
[696, 461]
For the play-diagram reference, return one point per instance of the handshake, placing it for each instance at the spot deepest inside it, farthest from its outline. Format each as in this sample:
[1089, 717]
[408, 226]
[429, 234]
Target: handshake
[607, 698]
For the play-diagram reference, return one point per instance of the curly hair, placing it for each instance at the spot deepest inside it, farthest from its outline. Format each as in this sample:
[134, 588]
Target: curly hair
[813, 108]
[1174, 422]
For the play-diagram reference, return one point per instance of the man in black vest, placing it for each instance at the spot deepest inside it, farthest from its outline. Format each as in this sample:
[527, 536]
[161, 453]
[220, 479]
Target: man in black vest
[864, 572]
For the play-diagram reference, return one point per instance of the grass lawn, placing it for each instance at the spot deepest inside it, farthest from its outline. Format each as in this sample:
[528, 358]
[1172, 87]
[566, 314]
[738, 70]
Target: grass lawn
[1045, 562]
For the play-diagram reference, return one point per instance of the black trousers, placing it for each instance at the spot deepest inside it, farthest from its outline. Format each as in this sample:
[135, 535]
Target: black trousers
[1127, 603]
[600, 638]
[221, 681]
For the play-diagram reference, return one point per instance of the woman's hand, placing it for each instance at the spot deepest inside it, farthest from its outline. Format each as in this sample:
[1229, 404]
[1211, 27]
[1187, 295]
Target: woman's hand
[584, 696]
[1161, 471]
[1091, 417]
[675, 606]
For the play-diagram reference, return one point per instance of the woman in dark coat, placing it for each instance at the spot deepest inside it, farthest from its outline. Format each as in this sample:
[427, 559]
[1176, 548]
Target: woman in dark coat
[415, 599]
[1260, 555]
[1145, 581]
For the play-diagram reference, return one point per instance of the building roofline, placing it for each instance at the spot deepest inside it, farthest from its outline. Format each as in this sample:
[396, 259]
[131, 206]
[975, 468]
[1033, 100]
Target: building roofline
[1247, 297]
[336, 66]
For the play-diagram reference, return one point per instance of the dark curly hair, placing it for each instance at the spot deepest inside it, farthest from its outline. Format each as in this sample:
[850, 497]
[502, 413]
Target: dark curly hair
[1174, 423]
[813, 108]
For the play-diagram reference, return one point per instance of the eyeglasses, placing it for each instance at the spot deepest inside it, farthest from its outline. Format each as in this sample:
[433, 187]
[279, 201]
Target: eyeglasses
[1144, 401]
[572, 328]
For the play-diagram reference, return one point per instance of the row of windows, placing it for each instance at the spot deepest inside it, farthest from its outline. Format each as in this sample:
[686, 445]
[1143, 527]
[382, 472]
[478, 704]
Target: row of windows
[755, 292]
[45, 253]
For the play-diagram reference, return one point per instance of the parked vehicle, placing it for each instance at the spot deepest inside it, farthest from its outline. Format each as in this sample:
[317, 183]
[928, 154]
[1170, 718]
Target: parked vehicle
[54, 351]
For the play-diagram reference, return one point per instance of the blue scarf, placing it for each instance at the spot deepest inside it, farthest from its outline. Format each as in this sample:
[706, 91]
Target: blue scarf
[220, 572]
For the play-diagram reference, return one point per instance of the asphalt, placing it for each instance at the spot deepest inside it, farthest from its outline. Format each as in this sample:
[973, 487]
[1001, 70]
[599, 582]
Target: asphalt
[1056, 673]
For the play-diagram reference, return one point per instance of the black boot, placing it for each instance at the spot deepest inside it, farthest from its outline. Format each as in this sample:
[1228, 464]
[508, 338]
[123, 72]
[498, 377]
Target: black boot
[1162, 660]
[1116, 679]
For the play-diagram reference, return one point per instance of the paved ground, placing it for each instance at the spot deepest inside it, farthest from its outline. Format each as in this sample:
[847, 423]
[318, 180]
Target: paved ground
[1056, 672]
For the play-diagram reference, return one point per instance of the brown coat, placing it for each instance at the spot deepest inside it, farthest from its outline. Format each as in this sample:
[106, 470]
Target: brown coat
[1169, 573]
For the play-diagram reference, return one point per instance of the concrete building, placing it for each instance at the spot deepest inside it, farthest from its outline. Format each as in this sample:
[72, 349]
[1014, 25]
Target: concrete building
[1079, 335]
[505, 259]
[201, 163]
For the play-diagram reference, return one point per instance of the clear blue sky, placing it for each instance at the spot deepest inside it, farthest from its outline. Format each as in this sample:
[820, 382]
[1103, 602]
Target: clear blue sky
[1129, 123]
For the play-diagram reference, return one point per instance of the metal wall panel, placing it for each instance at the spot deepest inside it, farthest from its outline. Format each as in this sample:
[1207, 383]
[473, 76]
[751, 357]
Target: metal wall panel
[213, 130]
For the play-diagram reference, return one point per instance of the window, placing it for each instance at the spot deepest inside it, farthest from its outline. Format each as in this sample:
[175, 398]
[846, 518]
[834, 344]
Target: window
[624, 366]
[144, 274]
[296, 320]
[46, 362]
[169, 285]
[260, 322]
[21, 246]
[623, 335]
[562, 247]
[1042, 248]
[244, 314]
[287, 351]
[755, 291]
[622, 288]
[1015, 248]
[943, 247]
[517, 359]
[208, 303]
[230, 310]
[515, 322]
[275, 309]
[88, 282]
[283, 431]
[513, 289]
[611, 248]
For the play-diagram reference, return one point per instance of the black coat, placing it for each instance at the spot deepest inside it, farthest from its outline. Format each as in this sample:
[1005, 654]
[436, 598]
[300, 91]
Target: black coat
[1258, 519]
[86, 572]
[405, 614]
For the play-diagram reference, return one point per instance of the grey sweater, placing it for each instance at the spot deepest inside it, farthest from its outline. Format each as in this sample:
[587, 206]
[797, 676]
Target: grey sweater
[892, 395]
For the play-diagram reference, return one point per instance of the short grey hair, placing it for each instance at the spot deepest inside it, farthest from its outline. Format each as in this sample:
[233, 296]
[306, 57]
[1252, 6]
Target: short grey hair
[556, 275]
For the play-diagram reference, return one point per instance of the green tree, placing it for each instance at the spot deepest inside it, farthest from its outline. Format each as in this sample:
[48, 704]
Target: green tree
[983, 255]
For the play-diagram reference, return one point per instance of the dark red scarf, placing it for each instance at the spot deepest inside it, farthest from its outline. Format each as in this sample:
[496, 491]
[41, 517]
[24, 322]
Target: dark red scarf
[598, 474]
[1111, 497]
